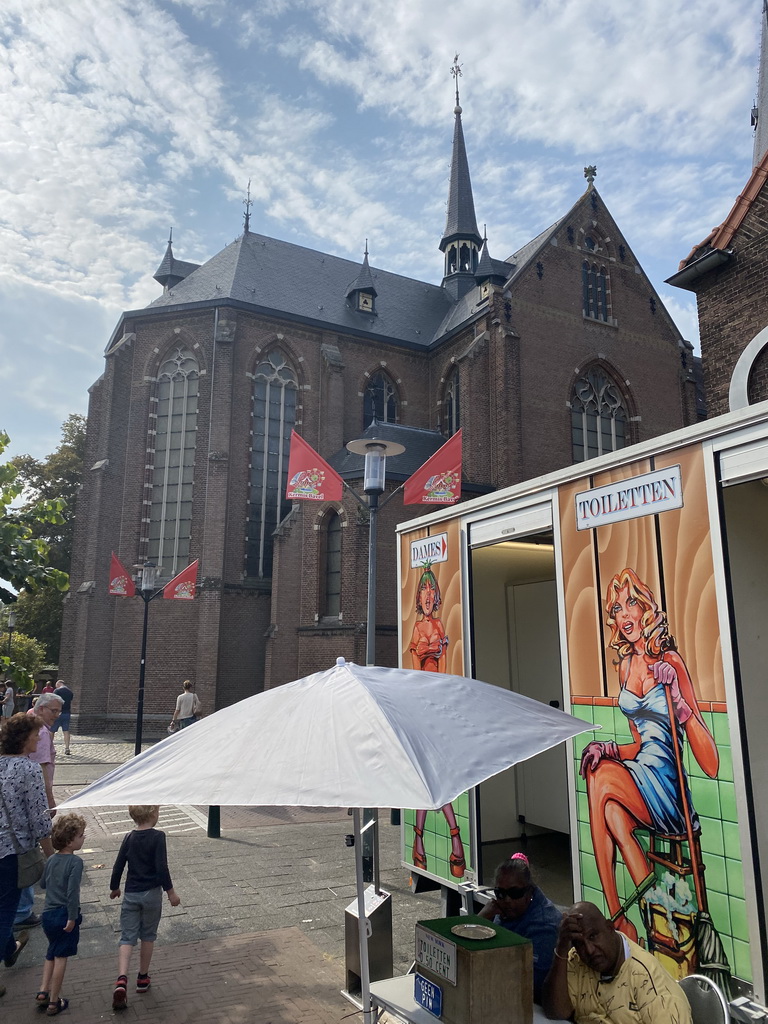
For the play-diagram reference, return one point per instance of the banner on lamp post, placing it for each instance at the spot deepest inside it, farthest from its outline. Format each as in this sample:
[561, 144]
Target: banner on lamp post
[120, 582]
[310, 478]
[182, 587]
[438, 481]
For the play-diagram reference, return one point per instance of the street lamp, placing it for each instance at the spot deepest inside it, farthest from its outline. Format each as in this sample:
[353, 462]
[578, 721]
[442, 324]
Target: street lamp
[375, 451]
[147, 591]
[11, 627]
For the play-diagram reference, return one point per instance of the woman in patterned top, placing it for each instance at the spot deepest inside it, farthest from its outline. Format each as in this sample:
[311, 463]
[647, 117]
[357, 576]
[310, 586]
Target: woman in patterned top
[24, 821]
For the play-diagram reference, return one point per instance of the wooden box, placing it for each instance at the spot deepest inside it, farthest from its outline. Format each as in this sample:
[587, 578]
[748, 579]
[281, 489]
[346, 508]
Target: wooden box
[482, 982]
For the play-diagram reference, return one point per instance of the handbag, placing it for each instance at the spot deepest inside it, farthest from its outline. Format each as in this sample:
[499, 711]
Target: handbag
[30, 863]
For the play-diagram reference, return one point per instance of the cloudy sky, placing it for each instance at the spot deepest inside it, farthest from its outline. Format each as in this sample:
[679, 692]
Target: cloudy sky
[120, 118]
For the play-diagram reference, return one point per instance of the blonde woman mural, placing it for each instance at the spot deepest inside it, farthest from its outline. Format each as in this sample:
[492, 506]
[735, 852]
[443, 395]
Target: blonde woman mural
[637, 785]
[427, 649]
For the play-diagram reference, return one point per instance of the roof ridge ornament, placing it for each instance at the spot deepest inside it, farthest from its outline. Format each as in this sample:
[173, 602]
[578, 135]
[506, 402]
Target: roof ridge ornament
[247, 203]
[456, 74]
[590, 173]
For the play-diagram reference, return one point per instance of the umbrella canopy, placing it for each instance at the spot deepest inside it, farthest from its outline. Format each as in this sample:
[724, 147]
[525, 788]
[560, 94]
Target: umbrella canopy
[350, 736]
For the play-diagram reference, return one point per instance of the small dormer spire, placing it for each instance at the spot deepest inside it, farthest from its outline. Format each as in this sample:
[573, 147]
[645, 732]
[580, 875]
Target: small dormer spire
[362, 292]
[247, 203]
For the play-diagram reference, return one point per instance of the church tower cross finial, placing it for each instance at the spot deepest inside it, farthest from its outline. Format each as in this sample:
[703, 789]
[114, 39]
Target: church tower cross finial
[456, 74]
[248, 203]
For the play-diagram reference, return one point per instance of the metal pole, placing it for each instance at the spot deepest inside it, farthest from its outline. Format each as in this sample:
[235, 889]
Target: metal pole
[362, 923]
[214, 822]
[370, 836]
[370, 639]
[146, 597]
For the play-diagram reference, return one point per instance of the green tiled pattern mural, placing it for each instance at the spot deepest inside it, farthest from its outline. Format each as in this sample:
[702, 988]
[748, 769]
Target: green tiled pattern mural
[437, 838]
[715, 803]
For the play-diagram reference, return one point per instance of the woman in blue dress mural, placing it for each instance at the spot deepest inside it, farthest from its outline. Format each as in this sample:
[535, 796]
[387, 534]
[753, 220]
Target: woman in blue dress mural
[637, 784]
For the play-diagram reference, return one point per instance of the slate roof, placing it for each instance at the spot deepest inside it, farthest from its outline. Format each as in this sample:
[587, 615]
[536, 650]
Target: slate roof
[302, 284]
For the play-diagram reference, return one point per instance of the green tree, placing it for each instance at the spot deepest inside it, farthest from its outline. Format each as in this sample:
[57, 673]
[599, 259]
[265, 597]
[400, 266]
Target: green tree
[56, 478]
[27, 657]
[24, 558]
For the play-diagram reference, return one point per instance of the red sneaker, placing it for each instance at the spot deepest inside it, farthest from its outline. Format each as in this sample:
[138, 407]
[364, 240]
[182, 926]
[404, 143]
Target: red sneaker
[120, 995]
[143, 982]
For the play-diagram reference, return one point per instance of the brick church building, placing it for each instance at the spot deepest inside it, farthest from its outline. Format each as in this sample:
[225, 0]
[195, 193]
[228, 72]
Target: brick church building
[728, 272]
[557, 354]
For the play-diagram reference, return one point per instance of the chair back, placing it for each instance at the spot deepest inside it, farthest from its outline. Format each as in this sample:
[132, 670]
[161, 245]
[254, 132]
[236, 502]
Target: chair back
[708, 1005]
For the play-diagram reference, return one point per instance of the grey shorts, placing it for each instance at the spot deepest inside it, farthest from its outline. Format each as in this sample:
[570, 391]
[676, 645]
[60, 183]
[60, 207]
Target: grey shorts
[140, 916]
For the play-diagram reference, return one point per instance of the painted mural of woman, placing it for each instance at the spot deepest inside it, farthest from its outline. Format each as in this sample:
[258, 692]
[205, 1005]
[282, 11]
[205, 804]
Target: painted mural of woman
[638, 784]
[427, 649]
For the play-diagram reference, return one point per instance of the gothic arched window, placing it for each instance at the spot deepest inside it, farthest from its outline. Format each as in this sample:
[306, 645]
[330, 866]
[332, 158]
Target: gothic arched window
[173, 468]
[275, 387]
[598, 416]
[594, 286]
[332, 565]
[451, 408]
[381, 400]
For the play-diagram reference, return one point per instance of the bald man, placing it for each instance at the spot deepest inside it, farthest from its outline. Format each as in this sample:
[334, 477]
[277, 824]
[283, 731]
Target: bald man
[599, 975]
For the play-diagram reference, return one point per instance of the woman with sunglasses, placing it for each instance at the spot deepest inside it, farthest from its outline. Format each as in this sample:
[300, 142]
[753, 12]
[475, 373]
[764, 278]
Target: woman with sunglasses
[519, 905]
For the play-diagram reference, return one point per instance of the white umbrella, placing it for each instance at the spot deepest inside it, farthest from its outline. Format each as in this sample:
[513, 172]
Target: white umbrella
[350, 736]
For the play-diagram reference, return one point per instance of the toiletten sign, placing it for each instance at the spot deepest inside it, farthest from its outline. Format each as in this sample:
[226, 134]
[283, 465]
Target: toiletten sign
[643, 495]
[436, 954]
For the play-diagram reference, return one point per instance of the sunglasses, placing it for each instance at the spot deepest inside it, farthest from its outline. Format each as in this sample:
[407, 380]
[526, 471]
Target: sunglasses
[511, 894]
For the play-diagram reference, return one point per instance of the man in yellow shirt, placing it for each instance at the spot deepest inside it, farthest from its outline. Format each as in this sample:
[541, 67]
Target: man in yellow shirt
[599, 975]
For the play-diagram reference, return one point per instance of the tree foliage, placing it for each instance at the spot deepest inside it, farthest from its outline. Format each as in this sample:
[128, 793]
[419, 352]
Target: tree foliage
[27, 657]
[34, 529]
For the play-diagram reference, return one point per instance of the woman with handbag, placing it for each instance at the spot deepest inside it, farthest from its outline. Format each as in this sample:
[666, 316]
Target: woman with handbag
[187, 708]
[25, 822]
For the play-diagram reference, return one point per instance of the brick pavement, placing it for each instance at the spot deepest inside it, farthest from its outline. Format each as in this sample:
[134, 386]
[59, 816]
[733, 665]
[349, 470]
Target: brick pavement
[259, 935]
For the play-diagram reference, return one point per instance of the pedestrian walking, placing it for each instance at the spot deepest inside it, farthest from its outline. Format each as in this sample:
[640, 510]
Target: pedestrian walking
[24, 822]
[67, 696]
[8, 701]
[61, 915]
[187, 707]
[144, 851]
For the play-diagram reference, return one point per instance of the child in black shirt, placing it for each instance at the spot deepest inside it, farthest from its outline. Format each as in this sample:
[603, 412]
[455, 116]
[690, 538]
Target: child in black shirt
[144, 851]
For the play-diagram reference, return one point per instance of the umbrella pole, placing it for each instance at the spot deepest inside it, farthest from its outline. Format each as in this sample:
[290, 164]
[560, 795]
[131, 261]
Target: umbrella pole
[362, 922]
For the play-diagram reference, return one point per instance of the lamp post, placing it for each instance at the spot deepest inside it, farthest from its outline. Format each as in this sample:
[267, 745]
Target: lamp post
[11, 627]
[147, 591]
[375, 451]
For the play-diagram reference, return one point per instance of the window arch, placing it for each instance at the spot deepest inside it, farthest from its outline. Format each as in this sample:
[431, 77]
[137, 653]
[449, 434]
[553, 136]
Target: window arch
[594, 286]
[599, 421]
[273, 417]
[381, 401]
[172, 474]
[331, 569]
[451, 405]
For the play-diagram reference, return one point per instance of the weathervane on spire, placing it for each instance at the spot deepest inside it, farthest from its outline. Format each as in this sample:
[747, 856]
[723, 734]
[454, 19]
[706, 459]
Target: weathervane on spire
[248, 203]
[456, 74]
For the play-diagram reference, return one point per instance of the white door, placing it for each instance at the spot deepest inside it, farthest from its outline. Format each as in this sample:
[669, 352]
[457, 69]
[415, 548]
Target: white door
[542, 785]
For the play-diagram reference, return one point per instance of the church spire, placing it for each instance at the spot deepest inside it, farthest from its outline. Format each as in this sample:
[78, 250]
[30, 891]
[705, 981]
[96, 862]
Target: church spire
[760, 109]
[461, 239]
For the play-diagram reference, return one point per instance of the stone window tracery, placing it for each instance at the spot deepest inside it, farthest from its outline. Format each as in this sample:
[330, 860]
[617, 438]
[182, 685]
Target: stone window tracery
[274, 395]
[381, 401]
[598, 416]
[173, 466]
[451, 405]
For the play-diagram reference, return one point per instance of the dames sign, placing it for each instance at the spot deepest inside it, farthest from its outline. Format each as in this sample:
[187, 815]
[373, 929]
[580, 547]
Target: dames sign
[429, 549]
[643, 495]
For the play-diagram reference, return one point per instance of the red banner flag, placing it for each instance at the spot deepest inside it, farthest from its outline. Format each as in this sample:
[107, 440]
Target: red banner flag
[183, 586]
[310, 478]
[438, 481]
[120, 582]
